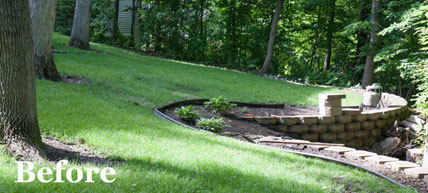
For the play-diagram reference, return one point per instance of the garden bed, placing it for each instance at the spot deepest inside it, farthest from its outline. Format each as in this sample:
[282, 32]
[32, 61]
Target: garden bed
[241, 124]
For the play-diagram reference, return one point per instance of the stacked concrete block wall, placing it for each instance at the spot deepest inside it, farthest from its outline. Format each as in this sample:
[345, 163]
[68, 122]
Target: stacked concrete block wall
[351, 127]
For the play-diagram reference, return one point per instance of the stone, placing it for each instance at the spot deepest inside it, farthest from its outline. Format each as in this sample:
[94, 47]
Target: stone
[359, 154]
[339, 150]
[347, 135]
[373, 116]
[317, 147]
[351, 111]
[363, 134]
[385, 115]
[353, 127]
[414, 155]
[343, 119]
[318, 129]
[266, 121]
[293, 135]
[401, 165]
[333, 111]
[327, 137]
[417, 172]
[380, 123]
[380, 159]
[369, 142]
[289, 121]
[367, 125]
[359, 118]
[332, 96]
[298, 129]
[355, 143]
[387, 145]
[330, 103]
[376, 132]
[280, 128]
[326, 120]
[307, 120]
[336, 128]
[309, 136]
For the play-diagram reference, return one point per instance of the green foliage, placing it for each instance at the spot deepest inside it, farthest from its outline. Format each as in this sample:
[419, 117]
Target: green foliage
[101, 21]
[187, 114]
[420, 140]
[219, 105]
[211, 124]
[64, 16]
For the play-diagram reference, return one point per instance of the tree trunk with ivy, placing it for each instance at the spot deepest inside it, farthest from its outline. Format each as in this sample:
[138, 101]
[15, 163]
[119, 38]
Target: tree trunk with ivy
[81, 31]
[18, 115]
[43, 19]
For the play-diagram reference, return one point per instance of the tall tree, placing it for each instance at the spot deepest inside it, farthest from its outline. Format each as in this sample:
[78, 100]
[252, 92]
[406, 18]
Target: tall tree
[272, 35]
[18, 115]
[80, 33]
[330, 31]
[116, 32]
[374, 40]
[43, 19]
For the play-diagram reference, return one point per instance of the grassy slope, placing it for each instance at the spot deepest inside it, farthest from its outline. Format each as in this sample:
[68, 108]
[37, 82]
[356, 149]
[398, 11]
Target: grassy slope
[161, 156]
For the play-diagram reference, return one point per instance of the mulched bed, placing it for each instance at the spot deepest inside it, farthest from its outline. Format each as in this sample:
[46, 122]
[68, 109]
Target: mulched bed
[246, 131]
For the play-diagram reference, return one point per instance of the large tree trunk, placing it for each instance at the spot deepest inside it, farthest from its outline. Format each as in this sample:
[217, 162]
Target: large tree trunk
[115, 20]
[374, 40]
[43, 19]
[81, 31]
[330, 30]
[18, 115]
[272, 35]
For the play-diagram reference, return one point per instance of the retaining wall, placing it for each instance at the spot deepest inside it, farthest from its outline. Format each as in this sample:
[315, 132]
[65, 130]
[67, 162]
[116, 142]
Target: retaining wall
[353, 128]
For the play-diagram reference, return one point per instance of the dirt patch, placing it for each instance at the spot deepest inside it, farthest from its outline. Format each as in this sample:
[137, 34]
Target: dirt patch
[57, 150]
[230, 124]
[75, 80]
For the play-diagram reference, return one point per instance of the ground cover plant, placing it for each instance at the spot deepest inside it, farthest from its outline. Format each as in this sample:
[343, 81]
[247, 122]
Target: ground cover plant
[112, 115]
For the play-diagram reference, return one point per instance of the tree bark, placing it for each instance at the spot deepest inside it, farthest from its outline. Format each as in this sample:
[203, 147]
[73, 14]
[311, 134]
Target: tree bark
[81, 31]
[330, 30]
[316, 37]
[18, 115]
[266, 64]
[374, 40]
[116, 32]
[43, 19]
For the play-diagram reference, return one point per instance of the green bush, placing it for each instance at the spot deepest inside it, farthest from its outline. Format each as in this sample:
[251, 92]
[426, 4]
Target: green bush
[187, 114]
[219, 105]
[212, 124]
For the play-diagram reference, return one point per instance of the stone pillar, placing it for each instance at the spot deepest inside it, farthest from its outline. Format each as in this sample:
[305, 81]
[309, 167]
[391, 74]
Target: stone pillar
[331, 104]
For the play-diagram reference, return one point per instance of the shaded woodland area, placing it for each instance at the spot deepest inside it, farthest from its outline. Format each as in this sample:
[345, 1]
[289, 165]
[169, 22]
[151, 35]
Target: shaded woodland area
[316, 42]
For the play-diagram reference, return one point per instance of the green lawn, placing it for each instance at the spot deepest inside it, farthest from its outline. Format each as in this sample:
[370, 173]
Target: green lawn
[159, 156]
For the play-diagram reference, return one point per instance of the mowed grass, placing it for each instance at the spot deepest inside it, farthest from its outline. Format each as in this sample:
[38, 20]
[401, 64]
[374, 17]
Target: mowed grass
[159, 156]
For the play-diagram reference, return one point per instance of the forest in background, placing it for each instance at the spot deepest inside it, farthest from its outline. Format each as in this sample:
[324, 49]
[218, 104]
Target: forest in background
[235, 34]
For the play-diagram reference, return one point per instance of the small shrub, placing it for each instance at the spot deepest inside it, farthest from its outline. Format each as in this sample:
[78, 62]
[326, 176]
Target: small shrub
[212, 124]
[244, 110]
[187, 114]
[219, 105]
